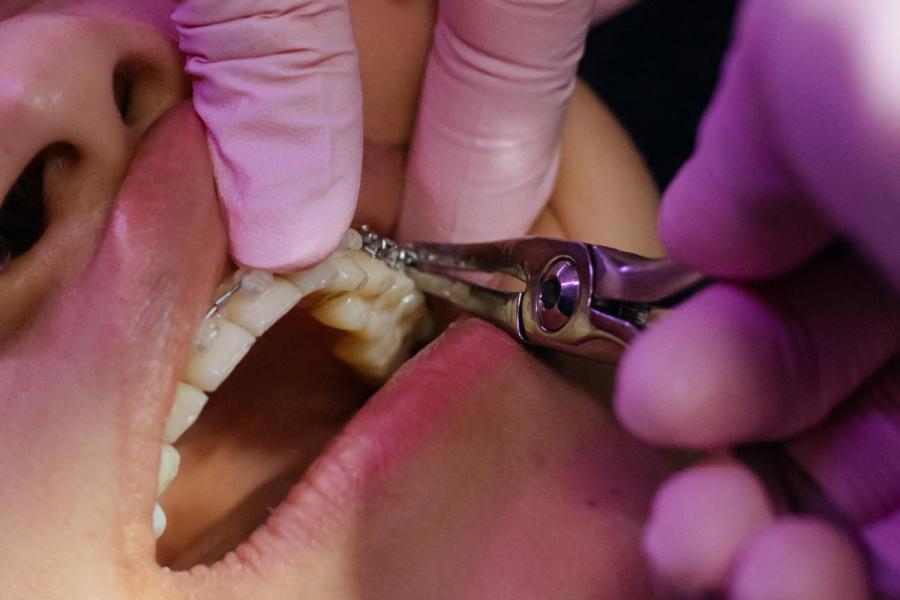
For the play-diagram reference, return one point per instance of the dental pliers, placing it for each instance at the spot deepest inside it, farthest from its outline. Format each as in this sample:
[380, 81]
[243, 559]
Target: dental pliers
[587, 300]
[579, 298]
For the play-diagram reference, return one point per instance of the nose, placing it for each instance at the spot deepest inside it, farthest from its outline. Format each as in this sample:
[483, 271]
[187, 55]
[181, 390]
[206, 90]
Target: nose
[76, 96]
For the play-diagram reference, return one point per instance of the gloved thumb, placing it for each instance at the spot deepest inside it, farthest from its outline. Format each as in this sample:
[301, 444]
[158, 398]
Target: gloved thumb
[277, 85]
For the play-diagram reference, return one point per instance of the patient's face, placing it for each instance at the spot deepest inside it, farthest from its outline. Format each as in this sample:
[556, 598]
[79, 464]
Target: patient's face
[478, 471]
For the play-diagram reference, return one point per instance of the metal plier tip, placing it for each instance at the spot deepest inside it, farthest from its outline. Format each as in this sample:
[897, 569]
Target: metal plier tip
[579, 298]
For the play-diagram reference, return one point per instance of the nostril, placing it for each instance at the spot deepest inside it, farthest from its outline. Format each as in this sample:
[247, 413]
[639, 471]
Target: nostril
[143, 89]
[22, 219]
[23, 214]
[123, 83]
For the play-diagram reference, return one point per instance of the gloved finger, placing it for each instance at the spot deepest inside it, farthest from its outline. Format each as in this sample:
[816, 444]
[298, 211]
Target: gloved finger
[606, 9]
[796, 146]
[700, 519]
[736, 365]
[486, 146]
[882, 537]
[277, 85]
[799, 559]
[853, 459]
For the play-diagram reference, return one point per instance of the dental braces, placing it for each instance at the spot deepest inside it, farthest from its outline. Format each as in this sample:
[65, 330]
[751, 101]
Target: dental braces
[386, 250]
[380, 248]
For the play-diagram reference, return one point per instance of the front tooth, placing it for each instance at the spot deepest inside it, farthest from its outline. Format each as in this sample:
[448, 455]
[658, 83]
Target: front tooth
[256, 309]
[348, 312]
[169, 462]
[159, 521]
[313, 279]
[209, 365]
[189, 401]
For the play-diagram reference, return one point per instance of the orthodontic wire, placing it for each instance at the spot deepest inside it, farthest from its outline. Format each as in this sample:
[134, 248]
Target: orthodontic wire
[219, 302]
[380, 248]
[386, 250]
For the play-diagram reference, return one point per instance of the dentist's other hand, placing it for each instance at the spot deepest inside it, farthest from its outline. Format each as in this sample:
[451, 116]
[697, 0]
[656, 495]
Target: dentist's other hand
[277, 85]
[799, 151]
[485, 151]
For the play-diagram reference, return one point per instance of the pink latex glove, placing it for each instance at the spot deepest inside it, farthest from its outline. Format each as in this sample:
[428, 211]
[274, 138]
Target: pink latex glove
[277, 85]
[485, 150]
[800, 148]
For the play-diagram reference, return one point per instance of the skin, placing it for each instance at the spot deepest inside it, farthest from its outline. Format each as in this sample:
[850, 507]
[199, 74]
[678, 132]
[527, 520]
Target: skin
[431, 490]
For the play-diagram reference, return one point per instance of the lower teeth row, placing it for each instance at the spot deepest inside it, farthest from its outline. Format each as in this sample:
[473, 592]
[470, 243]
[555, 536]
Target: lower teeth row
[381, 312]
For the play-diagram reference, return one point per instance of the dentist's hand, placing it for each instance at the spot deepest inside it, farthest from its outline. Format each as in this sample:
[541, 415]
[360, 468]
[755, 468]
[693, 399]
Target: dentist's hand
[277, 85]
[799, 151]
[486, 146]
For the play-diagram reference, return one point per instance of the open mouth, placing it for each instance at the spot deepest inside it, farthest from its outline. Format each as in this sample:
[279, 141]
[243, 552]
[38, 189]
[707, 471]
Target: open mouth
[281, 363]
[301, 472]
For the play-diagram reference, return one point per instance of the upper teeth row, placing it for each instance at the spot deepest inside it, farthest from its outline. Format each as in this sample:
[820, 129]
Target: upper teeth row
[379, 308]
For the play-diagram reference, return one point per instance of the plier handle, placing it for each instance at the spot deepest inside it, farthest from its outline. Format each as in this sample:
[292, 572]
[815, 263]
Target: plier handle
[579, 298]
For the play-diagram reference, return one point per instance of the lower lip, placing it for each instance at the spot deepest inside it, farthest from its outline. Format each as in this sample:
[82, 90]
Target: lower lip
[394, 458]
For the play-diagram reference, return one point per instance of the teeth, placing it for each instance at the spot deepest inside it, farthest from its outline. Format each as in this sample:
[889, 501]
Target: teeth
[210, 364]
[352, 240]
[256, 308]
[379, 325]
[189, 401]
[159, 521]
[380, 309]
[350, 276]
[410, 304]
[169, 462]
[403, 287]
[380, 276]
[375, 359]
[314, 279]
[254, 282]
[347, 312]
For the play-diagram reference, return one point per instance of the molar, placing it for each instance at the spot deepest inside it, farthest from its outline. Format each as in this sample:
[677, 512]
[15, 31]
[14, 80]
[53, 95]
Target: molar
[400, 290]
[373, 358]
[347, 312]
[378, 325]
[410, 304]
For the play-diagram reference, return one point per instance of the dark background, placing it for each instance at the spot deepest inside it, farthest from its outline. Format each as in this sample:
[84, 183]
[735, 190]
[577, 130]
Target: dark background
[655, 66]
